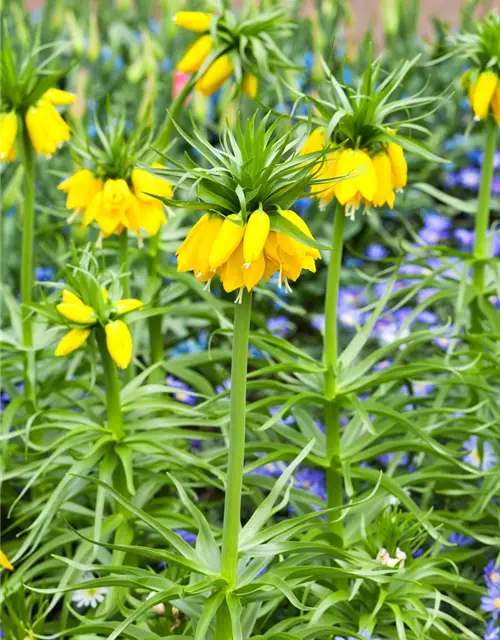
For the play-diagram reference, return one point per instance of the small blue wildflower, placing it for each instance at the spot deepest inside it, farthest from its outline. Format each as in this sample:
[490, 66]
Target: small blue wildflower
[271, 469]
[491, 632]
[286, 421]
[417, 553]
[44, 274]
[279, 326]
[225, 386]
[106, 53]
[386, 458]
[464, 238]
[469, 178]
[154, 26]
[254, 352]
[491, 602]
[187, 536]
[350, 316]
[319, 424]
[460, 539]
[492, 574]
[432, 236]
[437, 222]
[318, 322]
[302, 205]
[376, 251]
[308, 60]
[364, 634]
[451, 180]
[425, 294]
[383, 364]
[311, 480]
[118, 63]
[485, 461]
[184, 392]
[427, 317]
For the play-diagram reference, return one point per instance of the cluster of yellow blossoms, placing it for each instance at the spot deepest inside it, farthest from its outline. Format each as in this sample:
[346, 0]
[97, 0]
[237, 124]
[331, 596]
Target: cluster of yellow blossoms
[46, 128]
[192, 61]
[118, 338]
[360, 177]
[114, 204]
[243, 254]
[484, 94]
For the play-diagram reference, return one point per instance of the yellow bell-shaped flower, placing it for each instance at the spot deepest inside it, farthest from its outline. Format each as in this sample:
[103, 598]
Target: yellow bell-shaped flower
[119, 343]
[229, 237]
[215, 76]
[58, 96]
[196, 55]
[8, 133]
[197, 21]
[46, 129]
[383, 171]
[256, 232]
[80, 188]
[79, 313]
[71, 341]
[398, 165]
[249, 84]
[482, 93]
[359, 178]
[127, 304]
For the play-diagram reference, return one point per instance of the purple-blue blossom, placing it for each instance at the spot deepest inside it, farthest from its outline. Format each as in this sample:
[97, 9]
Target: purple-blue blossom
[492, 575]
[183, 392]
[491, 602]
[492, 631]
[279, 326]
[483, 458]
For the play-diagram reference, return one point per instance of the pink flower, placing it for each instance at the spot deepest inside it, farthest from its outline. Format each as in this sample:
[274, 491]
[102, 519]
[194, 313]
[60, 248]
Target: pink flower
[180, 80]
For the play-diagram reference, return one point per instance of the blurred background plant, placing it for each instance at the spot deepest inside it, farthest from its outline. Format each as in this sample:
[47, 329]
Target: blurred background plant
[94, 525]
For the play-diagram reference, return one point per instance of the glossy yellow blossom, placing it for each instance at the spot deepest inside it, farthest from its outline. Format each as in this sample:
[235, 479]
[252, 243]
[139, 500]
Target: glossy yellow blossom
[58, 96]
[149, 211]
[193, 254]
[229, 237]
[196, 55]
[127, 304]
[72, 341]
[115, 202]
[78, 312]
[383, 171]
[80, 189]
[315, 142]
[495, 105]
[250, 84]
[359, 179]
[482, 92]
[197, 21]
[119, 343]
[5, 563]
[46, 128]
[256, 232]
[215, 76]
[8, 133]
[398, 165]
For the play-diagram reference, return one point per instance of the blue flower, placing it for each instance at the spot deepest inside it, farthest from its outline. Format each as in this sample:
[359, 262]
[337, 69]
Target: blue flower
[106, 53]
[364, 634]
[318, 322]
[464, 238]
[491, 602]
[432, 236]
[302, 205]
[469, 178]
[184, 393]
[376, 251]
[485, 461]
[118, 63]
[271, 469]
[311, 480]
[308, 60]
[386, 458]
[437, 222]
[492, 575]
[4, 400]
[279, 326]
[491, 632]
[460, 539]
[187, 536]
[286, 421]
[44, 274]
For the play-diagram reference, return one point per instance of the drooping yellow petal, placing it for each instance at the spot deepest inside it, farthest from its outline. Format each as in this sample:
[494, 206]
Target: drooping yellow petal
[8, 133]
[58, 96]
[93, 210]
[144, 183]
[484, 91]
[196, 55]
[249, 84]
[232, 275]
[46, 129]
[151, 216]
[229, 237]
[114, 205]
[119, 343]
[195, 250]
[295, 219]
[197, 21]
[215, 76]
[256, 232]
[79, 313]
[5, 563]
[315, 142]
[81, 188]
[70, 297]
[254, 272]
[127, 304]
[398, 165]
[383, 170]
[71, 341]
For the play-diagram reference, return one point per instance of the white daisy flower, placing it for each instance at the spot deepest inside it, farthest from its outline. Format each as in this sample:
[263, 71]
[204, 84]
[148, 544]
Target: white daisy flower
[89, 597]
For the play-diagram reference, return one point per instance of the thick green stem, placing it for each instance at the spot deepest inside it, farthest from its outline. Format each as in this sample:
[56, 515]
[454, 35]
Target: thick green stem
[483, 210]
[334, 482]
[124, 266]
[234, 478]
[114, 410]
[27, 270]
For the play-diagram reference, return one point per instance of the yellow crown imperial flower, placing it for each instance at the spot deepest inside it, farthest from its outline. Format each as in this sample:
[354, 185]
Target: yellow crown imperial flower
[126, 305]
[495, 104]
[359, 179]
[58, 96]
[481, 93]
[256, 233]
[383, 171]
[5, 563]
[196, 55]
[46, 129]
[79, 313]
[72, 341]
[119, 343]
[197, 21]
[193, 254]
[215, 76]
[228, 238]
[398, 165]
[250, 84]
[8, 133]
[80, 189]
